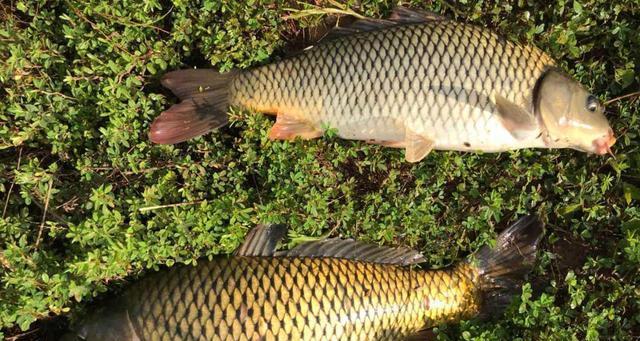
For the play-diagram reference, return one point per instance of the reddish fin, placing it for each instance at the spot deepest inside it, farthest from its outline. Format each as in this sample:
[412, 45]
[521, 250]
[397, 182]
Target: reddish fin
[288, 128]
[204, 95]
[184, 121]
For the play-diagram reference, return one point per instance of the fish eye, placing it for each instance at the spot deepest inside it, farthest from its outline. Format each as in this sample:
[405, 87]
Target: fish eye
[592, 103]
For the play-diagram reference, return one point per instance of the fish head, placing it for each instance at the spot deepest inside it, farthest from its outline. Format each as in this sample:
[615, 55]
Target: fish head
[572, 117]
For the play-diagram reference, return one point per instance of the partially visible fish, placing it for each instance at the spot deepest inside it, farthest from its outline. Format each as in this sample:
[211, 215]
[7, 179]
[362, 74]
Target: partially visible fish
[415, 81]
[332, 289]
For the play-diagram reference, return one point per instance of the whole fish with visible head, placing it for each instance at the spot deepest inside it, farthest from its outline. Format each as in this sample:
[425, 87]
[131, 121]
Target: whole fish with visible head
[333, 289]
[415, 81]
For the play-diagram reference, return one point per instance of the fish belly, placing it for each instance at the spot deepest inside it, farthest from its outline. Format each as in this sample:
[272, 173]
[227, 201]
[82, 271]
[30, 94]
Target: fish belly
[436, 79]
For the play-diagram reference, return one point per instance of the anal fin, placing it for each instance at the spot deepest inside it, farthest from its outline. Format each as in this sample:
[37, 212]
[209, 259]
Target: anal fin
[288, 128]
[417, 146]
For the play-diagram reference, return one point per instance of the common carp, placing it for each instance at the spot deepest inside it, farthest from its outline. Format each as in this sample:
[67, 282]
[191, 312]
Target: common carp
[332, 289]
[415, 81]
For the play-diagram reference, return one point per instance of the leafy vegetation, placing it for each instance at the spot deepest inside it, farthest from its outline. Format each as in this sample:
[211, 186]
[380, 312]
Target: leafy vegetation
[87, 200]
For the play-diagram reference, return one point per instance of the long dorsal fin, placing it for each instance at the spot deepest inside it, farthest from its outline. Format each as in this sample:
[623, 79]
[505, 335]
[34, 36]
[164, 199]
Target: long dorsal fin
[358, 26]
[399, 16]
[354, 250]
[262, 241]
[403, 15]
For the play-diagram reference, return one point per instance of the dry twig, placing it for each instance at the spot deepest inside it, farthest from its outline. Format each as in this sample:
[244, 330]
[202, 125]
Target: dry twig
[44, 214]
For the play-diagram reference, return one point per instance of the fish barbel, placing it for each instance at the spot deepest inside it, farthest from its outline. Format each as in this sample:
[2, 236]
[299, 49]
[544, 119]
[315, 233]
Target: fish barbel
[332, 289]
[415, 81]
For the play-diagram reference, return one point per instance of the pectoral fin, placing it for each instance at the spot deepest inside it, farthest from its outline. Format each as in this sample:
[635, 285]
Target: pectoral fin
[288, 128]
[517, 120]
[417, 146]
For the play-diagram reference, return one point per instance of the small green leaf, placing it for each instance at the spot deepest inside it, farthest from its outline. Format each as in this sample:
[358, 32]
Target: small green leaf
[577, 7]
[625, 76]
[631, 225]
[568, 209]
[631, 192]
[21, 7]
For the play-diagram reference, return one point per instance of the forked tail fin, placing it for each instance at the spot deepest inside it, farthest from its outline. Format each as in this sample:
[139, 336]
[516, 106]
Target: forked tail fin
[205, 98]
[502, 268]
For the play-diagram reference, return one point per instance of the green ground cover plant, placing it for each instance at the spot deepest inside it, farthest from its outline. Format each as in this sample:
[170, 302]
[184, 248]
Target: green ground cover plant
[88, 203]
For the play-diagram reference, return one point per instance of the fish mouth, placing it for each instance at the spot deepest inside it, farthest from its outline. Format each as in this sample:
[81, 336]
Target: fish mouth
[602, 145]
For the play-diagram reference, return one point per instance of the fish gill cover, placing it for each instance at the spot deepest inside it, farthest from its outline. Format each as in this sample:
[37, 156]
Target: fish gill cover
[87, 200]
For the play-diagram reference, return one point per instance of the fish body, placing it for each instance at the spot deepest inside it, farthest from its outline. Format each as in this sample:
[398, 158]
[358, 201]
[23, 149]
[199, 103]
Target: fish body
[416, 82]
[282, 298]
[437, 80]
[328, 290]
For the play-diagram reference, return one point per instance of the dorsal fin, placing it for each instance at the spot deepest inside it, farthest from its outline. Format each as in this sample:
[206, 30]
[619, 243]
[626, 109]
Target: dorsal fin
[399, 16]
[358, 26]
[354, 250]
[261, 240]
[403, 15]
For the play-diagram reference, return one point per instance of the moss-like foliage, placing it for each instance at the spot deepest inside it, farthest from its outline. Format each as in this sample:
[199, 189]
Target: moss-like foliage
[86, 200]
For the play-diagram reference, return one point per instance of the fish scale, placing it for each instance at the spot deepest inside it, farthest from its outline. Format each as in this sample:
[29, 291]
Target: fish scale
[436, 78]
[247, 298]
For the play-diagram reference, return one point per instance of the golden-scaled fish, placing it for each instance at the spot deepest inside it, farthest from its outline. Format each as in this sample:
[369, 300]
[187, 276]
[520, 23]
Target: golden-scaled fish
[333, 289]
[415, 81]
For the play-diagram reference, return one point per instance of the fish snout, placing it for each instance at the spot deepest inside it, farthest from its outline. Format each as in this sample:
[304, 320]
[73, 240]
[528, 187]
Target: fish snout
[602, 145]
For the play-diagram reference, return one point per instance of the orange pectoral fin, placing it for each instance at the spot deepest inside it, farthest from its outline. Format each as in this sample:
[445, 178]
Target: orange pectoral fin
[288, 128]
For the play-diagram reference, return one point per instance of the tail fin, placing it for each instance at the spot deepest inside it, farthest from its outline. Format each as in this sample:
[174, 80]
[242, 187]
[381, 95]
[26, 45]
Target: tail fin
[502, 268]
[204, 94]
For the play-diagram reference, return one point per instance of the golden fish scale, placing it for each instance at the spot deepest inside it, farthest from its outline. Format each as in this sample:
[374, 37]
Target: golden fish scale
[439, 78]
[260, 298]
